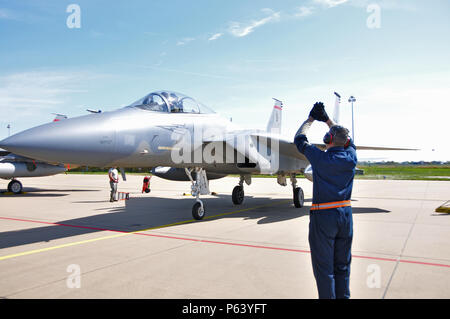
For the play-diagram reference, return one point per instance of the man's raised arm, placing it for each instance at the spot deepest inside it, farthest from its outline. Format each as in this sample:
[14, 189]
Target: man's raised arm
[317, 113]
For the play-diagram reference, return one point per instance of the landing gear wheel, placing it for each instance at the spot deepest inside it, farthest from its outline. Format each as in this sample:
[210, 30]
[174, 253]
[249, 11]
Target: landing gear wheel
[238, 195]
[299, 197]
[15, 187]
[198, 212]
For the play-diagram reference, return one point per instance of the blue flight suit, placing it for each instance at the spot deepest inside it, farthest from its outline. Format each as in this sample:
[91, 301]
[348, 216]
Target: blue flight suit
[331, 230]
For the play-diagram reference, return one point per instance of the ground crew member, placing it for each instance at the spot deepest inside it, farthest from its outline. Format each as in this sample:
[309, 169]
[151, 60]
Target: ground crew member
[113, 181]
[330, 223]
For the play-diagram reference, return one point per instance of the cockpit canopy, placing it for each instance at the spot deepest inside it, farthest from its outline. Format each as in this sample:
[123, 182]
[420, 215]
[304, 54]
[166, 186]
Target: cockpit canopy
[171, 102]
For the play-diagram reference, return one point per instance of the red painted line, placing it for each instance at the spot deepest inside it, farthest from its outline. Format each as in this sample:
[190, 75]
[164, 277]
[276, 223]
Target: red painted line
[223, 243]
[277, 107]
[25, 220]
[374, 258]
[255, 246]
[168, 237]
[423, 263]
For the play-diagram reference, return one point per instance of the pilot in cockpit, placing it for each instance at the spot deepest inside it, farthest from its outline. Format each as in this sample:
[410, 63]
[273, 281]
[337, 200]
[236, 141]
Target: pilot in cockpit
[176, 106]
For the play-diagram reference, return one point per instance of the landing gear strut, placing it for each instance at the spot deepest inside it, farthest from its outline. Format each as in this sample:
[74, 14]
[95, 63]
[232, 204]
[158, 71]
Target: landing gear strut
[199, 187]
[298, 196]
[15, 187]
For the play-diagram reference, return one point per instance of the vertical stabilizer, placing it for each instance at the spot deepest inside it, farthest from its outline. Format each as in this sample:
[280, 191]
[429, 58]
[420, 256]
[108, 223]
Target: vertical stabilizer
[337, 106]
[274, 125]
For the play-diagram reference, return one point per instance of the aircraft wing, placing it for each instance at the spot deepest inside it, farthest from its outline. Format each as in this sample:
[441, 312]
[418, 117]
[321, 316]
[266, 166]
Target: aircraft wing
[373, 148]
[286, 147]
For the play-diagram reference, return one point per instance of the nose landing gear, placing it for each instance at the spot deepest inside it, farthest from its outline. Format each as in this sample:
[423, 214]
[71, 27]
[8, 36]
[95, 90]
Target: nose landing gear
[199, 187]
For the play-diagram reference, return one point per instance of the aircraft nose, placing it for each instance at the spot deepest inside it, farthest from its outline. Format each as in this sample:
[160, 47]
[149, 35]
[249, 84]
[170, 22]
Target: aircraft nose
[80, 140]
[16, 143]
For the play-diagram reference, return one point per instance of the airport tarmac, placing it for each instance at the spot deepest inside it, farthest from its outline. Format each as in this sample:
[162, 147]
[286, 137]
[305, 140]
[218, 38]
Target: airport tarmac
[64, 239]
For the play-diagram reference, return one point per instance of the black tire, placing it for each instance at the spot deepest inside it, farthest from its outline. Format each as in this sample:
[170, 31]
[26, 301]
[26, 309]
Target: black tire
[238, 195]
[9, 187]
[147, 190]
[299, 197]
[15, 187]
[197, 212]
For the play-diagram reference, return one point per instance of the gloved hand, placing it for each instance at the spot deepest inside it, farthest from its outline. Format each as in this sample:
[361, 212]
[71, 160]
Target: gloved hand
[318, 112]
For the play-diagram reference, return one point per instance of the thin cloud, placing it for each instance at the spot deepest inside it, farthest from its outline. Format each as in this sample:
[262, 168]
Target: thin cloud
[330, 3]
[185, 41]
[240, 30]
[215, 36]
[301, 12]
[38, 91]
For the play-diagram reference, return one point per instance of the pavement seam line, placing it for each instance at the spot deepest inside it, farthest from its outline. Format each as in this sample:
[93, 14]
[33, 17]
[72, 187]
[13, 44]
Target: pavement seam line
[399, 260]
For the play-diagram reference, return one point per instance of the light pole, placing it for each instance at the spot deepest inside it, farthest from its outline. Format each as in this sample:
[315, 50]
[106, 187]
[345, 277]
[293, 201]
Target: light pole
[351, 100]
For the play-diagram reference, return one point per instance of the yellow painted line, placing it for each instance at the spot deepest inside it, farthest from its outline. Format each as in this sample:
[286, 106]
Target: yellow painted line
[30, 252]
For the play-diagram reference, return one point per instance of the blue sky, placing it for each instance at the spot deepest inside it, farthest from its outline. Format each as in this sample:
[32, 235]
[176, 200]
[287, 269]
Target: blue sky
[235, 56]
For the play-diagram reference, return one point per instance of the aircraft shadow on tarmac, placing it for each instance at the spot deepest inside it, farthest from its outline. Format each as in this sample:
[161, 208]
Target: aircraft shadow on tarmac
[148, 212]
[41, 192]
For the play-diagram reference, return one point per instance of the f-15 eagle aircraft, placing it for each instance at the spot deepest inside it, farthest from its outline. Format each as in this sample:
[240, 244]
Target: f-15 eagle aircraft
[170, 129]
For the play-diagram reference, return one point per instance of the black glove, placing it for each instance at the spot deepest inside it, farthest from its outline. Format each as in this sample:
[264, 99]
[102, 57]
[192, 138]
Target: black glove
[318, 112]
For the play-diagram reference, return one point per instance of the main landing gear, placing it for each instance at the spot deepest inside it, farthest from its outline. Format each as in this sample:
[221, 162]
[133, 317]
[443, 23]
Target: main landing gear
[15, 186]
[238, 192]
[298, 196]
[200, 186]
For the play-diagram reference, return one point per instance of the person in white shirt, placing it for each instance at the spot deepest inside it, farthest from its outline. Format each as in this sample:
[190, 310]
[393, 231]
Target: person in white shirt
[113, 181]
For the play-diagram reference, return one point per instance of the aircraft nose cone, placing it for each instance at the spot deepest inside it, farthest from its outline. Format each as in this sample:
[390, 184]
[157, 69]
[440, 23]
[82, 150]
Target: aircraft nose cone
[81, 140]
[29, 142]
[15, 143]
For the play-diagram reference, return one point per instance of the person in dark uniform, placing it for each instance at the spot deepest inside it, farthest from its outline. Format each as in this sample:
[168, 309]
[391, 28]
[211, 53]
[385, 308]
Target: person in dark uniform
[331, 223]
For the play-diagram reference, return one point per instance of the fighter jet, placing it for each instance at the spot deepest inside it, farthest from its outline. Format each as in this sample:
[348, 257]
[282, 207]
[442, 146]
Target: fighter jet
[172, 130]
[13, 166]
